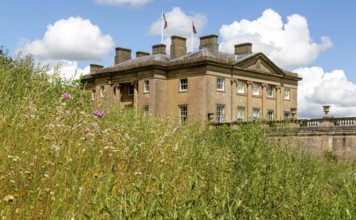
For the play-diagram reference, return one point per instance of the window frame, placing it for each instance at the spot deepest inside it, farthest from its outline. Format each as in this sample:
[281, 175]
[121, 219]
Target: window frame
[183, 87]
[258, 89]
[258, 113]
[288, 115]
[102, 92]
[240, 84]
[93, 94]
[146, 110]
[131, 90]
[270, 91]
[220, 113]
[146, 86]
[183, 114]
[270, 115]
[286, 92]
[240, 113]
[220, 84]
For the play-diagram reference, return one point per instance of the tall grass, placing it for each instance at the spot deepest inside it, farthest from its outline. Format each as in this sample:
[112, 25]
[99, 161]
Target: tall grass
[59, 161]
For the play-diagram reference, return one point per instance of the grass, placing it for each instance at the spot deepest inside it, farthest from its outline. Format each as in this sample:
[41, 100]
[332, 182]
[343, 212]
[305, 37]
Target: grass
[59, 161]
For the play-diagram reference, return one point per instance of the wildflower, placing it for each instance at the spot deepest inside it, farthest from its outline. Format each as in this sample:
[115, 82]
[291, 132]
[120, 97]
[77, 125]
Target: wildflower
[98, 113]
[9, 198]
[67, 96]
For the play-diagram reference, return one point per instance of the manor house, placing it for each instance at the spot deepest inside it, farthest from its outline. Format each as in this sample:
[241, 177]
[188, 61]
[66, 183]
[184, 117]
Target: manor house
[206, 85]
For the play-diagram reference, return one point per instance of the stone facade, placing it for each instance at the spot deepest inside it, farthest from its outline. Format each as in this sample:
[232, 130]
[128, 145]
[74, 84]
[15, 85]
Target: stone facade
[205, 85]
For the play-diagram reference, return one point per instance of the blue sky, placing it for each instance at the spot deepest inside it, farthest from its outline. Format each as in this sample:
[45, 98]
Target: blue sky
[313, 38]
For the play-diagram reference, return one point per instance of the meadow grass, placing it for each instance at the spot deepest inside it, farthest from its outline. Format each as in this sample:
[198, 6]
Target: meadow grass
[60, 161]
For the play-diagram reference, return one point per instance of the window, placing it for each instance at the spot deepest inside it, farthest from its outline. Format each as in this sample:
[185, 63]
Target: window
[270, 115]
[255, 113]
[130, 90]
[183, 85]
[270, 90]
[255, 89]
[183, 114]
[102, 91]
[240, 87]
[286, 115]
[286, 93]
[220, 84]
[240, 114]
[145, 110]
[93, 94]
[220, 113]
[146, 86]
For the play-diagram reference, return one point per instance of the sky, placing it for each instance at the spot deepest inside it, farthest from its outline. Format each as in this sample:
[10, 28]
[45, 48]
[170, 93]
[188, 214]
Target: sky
[312, 38]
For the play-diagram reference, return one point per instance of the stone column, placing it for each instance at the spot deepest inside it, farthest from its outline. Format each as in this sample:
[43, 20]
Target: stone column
[135, 99]
[249, 100]
[264, 95]
[279, 102]
[233, 95]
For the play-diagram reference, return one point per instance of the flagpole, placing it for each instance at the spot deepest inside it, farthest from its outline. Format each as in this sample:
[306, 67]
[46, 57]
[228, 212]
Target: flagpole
[162, 21]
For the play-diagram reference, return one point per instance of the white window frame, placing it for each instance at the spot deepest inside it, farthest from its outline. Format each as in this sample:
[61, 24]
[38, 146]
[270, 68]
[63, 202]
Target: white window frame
[220, 84]
[220, 116]
[183, 85]
[270, 115]
[270, 91]
[240, 113]
[286, 94]
[256, 89]
[146, 86]
[255, 113]
[102, 91]
[130, 90]
[241, 87]
[183, 114]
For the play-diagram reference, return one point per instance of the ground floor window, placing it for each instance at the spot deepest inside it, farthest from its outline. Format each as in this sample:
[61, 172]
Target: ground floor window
[255, 113]
[183, 114]
[286, 115]
[145, 110]
[220, 114]
[240, 113]
[270, 115]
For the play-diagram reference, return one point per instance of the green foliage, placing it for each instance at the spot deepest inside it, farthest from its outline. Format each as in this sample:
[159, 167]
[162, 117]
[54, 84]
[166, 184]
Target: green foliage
[59, 161]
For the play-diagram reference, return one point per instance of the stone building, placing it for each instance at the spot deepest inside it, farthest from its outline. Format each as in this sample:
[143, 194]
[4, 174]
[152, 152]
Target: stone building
[205, 85]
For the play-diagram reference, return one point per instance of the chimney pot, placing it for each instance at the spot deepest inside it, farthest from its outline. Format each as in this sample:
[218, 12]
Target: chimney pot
[122, 55]
[142, 54]
[178, 46]
[95, 67]
[210, 42]
[243, 49]
[159, 49]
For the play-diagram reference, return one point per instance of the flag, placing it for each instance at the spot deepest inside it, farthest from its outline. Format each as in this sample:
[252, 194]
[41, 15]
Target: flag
[165, 24]
[194, 30]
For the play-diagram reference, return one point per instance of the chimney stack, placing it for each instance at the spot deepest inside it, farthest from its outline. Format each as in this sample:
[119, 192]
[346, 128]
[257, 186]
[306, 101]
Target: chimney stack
[210, 42]
[178, 47]
[243, 49]
[159, 49]
[142, 54]
[95, 67]
[122, 55]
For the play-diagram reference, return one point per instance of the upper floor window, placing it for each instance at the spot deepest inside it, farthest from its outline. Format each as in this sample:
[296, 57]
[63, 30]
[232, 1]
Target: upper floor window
[240, 114]
[93, 94]
[270, 90]
[102, 91]
[183, 114]
[255, 113]
[240, 87]
[270, 115]
[146, 86]
[183, 85]
[286, 93]
[220, 114]
[130, 90]
[220, 84]
[255, 89]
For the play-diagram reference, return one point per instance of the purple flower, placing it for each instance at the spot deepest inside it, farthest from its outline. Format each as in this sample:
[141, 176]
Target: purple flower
[98, 113]
[67, 96]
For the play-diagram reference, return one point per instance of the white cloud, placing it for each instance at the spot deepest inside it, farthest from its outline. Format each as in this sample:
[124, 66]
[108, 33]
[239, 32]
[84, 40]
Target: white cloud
[179, 24]
[134, 3]
[69, 70]
[320, 88]
[288, 45]
[70, 39]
